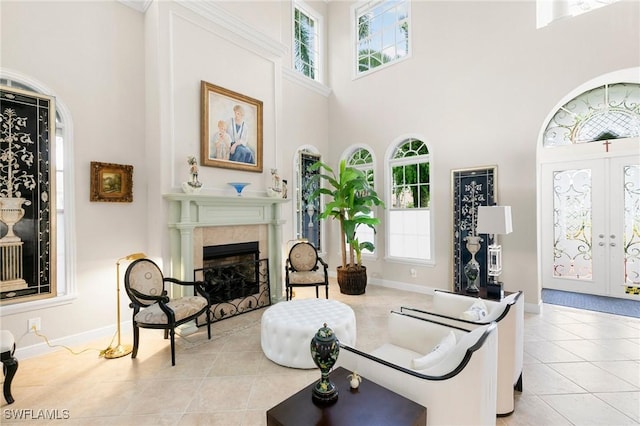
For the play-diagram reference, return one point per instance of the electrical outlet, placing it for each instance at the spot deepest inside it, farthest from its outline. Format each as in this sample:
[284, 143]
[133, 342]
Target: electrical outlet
[413, 272]
[34, 322]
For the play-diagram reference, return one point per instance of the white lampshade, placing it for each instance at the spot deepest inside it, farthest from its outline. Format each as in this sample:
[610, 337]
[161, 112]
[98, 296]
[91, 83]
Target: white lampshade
[494, 220]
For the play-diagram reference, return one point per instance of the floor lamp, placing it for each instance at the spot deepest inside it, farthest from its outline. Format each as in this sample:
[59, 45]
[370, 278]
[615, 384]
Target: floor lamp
[120, 350]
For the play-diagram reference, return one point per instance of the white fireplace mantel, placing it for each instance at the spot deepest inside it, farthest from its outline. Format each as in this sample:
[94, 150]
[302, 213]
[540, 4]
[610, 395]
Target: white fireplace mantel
[190, 211]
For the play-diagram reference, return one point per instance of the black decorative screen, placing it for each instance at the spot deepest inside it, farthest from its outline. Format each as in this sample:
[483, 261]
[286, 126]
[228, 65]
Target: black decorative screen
[27, 196]
[471, 188]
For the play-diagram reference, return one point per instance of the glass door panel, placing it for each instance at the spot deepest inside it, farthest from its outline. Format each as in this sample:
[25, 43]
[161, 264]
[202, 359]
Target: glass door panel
[591, 226]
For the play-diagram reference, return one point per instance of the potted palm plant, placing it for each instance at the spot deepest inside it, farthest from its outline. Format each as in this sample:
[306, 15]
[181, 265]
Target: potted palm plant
[350, 199]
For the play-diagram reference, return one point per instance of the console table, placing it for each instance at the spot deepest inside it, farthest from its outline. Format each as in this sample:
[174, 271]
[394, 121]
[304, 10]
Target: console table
[370, 404]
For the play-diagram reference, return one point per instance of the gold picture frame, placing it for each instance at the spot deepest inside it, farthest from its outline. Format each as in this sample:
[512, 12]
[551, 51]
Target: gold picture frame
[231, 129]
[111, 182]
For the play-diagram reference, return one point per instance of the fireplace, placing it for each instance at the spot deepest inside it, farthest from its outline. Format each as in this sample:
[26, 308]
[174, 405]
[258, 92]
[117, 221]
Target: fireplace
[207, 219]
[231, 271]
[236, 279]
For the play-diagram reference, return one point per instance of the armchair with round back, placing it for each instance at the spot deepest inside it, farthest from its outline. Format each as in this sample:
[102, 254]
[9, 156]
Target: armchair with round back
[305, 269]
[152, 307]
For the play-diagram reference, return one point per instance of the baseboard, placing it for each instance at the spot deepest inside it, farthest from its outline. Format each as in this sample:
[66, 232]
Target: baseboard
[74, 341]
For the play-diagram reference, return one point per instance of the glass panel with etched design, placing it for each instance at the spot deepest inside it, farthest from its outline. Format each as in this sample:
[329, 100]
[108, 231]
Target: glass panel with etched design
[607, 112]
[572, 224]
[632, 225]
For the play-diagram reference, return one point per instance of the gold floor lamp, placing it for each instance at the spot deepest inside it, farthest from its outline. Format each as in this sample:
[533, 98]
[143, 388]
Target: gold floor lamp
[121, 350]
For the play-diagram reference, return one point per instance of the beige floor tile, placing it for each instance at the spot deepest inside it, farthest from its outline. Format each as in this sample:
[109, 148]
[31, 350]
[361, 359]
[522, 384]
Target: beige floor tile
[547, 351]
[540, 379]
[592, 378]
[626, 402]
[228, 381]
[586, 409]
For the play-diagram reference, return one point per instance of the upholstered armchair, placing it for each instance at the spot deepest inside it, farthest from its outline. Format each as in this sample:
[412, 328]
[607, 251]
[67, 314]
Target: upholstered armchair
[471, 312]
[152, 307]
[305, 269]
[449, 370]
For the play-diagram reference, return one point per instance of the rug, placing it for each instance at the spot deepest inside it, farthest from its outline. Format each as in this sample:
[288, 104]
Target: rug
[610, 305]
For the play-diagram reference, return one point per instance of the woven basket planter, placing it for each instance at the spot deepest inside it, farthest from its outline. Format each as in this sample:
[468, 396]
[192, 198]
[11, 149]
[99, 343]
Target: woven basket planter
[352, 280]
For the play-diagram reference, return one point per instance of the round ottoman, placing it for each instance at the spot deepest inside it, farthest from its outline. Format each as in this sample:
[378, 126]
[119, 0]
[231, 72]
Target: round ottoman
[288, 327]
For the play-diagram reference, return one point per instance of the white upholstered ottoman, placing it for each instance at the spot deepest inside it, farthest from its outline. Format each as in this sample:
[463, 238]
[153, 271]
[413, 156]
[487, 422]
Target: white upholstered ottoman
[288, 327]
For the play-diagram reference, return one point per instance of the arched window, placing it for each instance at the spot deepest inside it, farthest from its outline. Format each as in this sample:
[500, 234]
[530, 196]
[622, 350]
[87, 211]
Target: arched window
[307, 210]
[362, 159]
[65, 236]
[611, 111]
[409, 206]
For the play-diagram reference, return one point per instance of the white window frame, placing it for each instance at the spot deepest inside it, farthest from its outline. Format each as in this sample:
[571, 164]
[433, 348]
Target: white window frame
[388, 176]
[66, 289]
[361, 8]
[364, 230]
[319, 34]
[549, 11]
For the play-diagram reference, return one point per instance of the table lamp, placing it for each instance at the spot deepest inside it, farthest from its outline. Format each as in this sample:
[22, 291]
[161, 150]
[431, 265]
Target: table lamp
[494, 220]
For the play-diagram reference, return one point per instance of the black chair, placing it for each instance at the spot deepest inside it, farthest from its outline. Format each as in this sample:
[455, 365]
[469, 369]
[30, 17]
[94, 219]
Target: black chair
[303, 269]
[9, 362]
[152, 308]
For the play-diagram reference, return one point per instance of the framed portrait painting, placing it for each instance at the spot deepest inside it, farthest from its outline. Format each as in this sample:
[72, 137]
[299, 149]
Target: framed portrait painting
[111, 182]
[231, 129]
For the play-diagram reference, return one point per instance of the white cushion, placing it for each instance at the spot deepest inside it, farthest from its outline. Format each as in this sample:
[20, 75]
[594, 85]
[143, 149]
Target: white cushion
[437, 354]
[476, 312]
[7, 341]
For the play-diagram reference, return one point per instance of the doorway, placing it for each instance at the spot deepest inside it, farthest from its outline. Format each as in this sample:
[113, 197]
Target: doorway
[590, 225]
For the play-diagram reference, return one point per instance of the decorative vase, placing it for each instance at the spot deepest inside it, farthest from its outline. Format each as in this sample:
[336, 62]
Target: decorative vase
[239, 186]
[472, 268]
[11, 212]
[352, 281]
[324, 351]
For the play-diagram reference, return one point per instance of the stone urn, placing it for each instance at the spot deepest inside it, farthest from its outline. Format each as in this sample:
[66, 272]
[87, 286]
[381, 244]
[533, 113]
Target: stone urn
[11, 212]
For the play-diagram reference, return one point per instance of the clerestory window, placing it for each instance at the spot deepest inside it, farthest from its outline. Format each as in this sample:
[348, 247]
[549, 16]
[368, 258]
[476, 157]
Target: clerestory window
[409, 233]
[550, 11]
[306, 41]
[381, 32]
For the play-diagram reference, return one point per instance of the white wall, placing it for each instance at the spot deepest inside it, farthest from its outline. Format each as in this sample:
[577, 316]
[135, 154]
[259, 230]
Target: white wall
[91, 56]
[478, 86]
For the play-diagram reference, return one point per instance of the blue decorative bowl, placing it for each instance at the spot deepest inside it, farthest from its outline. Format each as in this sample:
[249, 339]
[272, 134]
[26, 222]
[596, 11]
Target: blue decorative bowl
[239, 186]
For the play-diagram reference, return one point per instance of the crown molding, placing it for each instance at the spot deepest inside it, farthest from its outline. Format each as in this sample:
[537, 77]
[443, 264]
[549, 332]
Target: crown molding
[220, 17]
[139, 5]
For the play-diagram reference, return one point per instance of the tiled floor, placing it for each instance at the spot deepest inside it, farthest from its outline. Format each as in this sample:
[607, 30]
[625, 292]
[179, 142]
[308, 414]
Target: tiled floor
[581, 368]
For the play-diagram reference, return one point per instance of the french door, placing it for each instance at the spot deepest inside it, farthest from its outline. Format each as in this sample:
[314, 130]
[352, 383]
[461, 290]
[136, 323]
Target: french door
[590, 222]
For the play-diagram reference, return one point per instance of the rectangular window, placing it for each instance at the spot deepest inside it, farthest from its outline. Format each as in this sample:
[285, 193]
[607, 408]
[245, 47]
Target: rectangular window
[409, 233]
[306, 59]
[382, 33]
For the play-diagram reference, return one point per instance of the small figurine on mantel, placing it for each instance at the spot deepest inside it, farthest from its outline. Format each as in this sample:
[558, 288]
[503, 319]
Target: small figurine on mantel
[193, 185]
[274, 190]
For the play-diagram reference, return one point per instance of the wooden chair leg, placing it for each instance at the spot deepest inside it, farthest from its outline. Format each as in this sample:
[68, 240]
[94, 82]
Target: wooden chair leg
[136, 340]
[10, 366]
[173, 346]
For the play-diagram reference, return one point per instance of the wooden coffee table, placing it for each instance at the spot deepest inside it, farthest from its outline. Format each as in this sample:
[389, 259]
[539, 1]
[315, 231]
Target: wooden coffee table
[370, 404]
